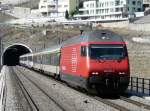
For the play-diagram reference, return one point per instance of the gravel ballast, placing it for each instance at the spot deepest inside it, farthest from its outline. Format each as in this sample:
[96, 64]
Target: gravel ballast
[70, 99]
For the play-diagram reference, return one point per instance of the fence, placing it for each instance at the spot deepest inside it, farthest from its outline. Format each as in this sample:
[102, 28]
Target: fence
[139, 85]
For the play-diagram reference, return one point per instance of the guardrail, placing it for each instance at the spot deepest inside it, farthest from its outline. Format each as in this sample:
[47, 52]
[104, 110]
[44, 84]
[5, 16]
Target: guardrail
[139, 85]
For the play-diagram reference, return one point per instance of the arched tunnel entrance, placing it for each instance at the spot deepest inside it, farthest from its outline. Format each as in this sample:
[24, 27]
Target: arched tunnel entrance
[12, 53]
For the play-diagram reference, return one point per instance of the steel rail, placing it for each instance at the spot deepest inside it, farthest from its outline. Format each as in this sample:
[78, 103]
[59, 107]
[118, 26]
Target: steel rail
[26, 94]
[111, 104]
[114, 105]
[107, 102]
[145, 106]
[44, 92]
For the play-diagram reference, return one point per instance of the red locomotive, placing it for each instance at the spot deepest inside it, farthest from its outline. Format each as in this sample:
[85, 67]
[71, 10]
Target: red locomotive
[95, 60]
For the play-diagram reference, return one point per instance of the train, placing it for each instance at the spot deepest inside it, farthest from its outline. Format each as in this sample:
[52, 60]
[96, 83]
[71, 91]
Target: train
[96, 61]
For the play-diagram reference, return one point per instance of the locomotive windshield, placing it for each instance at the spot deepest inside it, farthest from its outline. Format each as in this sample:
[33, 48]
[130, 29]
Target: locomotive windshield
[107, 51]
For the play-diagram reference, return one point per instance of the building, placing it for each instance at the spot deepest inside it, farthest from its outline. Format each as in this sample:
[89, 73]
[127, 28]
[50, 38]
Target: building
[103, 10]
[21, 12]
[46, 7]
[134, 6]
[55, 8]
[146, 4]
[146, 7]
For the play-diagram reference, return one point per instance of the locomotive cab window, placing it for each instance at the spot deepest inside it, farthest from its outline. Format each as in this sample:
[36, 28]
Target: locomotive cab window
[83, 50]
[107, 51]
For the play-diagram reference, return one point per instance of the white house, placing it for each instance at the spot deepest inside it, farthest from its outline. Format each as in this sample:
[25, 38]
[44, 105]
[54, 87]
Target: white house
[146, 4]
[103, 10]
[56, 8]
[46, 7]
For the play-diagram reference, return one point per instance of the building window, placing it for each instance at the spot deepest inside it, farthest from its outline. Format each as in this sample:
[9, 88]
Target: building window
[121, 9]
[112, 10]
[65, 6]
[139, 9]
[90, 5]
[105, 4]
[45, 1]
[139, 2]
[102, 17]
[43, 6]
[133, 3]
[133, 9]
[117, 10]
[106, 10]
[59, 6]
[121, 2]
[117, 3]
[112, 3]
[51, 6]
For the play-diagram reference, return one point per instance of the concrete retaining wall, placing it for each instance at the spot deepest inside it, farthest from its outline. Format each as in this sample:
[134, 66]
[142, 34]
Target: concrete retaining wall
[121, 24]
[125, 24]
[2, 87]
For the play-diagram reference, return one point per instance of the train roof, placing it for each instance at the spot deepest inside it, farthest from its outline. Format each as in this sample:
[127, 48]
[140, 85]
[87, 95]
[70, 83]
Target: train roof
[48, 50]
[95, 36]
[90, 36]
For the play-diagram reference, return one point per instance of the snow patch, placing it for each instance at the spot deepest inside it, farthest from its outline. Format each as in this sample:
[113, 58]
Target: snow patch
[141, 40]
[148, 98]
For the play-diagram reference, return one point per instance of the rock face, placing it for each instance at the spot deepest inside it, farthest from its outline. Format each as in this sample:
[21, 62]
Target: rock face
[39, 38]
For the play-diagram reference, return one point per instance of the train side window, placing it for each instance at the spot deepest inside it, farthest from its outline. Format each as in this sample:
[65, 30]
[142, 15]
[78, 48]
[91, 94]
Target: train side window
[30, 58]
[35, 59]
[83, 51]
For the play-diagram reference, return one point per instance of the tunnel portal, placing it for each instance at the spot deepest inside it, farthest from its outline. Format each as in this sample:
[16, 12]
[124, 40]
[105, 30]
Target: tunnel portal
[12, 53]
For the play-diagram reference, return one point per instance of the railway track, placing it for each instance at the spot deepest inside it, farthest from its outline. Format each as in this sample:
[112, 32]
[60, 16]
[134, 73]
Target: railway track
[145, 106]
[116, 106]
[123, 107]
[28, 97]
[108, 102]
[14, 97]
[33, 104]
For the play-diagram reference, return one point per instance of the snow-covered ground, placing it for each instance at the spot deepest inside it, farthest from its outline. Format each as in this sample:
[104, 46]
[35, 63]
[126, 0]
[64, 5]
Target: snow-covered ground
[34, 21]
[141, 40]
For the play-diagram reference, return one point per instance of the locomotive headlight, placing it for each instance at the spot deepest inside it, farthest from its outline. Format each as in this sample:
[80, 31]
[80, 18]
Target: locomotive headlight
[95, 73]
[122, 73]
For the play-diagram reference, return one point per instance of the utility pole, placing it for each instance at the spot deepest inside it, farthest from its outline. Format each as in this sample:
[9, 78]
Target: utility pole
[1, 52]
[57, 7]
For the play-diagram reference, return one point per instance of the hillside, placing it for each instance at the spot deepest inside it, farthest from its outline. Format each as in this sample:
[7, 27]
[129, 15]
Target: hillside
[33, 4]
[5, 17]
[36, 39]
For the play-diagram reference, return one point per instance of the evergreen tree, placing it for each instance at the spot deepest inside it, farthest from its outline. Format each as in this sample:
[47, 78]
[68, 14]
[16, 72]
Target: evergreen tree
[66, 14]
